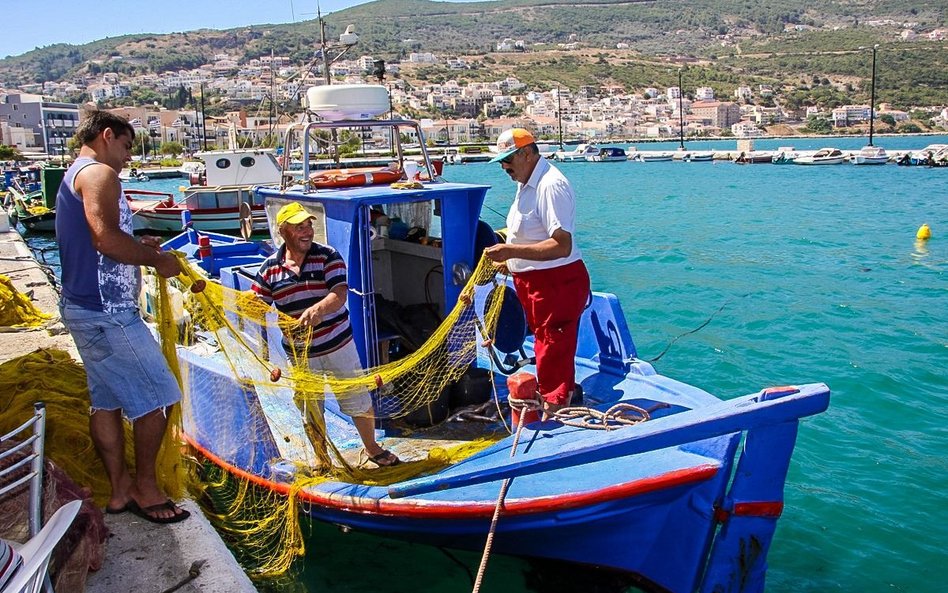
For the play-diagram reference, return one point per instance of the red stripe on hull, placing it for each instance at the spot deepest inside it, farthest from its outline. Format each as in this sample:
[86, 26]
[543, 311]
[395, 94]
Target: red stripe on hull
[420, 509]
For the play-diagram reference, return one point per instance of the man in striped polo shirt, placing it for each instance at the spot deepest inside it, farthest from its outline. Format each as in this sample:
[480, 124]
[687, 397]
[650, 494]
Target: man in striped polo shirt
[307, 281]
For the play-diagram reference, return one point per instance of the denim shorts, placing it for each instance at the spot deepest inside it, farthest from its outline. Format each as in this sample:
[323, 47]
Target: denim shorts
[124, 365]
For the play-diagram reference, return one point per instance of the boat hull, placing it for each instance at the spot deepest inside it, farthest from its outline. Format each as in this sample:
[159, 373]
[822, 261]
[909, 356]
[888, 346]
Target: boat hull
[39, 223]
[819, 161]
[583, 515]
[650, 512]
[168, 220]
[869, 160]
[698, 158]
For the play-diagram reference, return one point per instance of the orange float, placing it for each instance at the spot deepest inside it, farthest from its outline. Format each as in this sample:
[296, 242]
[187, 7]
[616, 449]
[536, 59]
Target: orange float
[353, 177]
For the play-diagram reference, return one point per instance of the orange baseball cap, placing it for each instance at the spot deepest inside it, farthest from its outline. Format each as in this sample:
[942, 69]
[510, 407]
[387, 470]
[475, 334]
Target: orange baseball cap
[511, 141]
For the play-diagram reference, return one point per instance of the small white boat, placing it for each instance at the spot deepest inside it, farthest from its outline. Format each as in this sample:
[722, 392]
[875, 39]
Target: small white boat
[654, 157]
[134, 176]
[577, 154]
[785, 155]
[698, 157]
[210, 209]
[753, 157]
[869, 155]
[230, 176]
[926, 155]
[609, 154]
[823, 156]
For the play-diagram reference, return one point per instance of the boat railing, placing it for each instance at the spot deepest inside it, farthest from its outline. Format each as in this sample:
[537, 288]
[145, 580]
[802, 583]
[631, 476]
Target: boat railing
[306, 129]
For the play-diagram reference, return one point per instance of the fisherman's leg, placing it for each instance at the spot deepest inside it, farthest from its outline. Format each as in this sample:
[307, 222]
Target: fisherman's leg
[108, 435]
[149, 431]
[139, 377]
[314, 421]
[560, 309]
[355, 402]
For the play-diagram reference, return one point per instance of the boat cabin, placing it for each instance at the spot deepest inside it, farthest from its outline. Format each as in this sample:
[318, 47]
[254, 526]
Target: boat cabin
[252, 166]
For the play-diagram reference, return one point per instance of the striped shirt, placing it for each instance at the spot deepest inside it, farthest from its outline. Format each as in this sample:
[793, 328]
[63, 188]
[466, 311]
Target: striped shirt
[321, 271]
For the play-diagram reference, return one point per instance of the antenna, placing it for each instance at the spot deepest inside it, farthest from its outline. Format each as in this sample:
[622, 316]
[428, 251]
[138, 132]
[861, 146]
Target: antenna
[681, 115]
[872, 94]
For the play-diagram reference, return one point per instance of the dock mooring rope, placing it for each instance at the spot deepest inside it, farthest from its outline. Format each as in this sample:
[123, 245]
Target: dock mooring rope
[524, 406]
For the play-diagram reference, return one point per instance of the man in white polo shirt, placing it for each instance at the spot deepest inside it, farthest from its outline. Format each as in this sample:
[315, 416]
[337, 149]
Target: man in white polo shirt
[548, 271]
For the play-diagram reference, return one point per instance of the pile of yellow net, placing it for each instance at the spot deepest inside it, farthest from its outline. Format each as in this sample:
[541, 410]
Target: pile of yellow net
[54, 378]
[16, 310]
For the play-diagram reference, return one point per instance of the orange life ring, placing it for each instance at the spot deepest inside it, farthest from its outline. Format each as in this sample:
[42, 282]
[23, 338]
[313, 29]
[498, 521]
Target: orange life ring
[353, 177]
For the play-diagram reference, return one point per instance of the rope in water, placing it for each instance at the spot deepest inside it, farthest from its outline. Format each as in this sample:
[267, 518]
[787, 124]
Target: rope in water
[523, 405]
[618, 416]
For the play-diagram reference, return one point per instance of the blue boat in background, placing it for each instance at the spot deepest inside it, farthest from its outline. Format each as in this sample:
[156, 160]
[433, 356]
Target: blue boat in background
[687, 500]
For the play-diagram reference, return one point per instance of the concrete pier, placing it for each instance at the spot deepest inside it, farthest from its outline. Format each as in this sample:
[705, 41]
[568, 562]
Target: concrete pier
[140, 556]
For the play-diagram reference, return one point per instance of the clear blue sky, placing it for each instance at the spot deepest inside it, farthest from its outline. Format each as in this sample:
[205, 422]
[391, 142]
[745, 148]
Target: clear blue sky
[37, 23]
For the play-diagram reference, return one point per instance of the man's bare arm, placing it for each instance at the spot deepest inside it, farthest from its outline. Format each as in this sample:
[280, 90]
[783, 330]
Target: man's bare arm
[101, 190]
[557, 246]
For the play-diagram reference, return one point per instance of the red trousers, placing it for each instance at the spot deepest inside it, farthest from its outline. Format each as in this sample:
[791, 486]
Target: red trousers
[553, 301]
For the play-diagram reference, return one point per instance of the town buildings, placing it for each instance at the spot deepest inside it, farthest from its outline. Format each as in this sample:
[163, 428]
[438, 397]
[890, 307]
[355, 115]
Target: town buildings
[39, 121]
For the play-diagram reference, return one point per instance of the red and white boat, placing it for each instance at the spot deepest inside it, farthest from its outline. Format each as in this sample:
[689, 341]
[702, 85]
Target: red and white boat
[211, 209]
[216, 206]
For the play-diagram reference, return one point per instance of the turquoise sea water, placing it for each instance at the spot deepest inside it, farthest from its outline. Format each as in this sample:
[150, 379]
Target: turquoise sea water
[821, 279]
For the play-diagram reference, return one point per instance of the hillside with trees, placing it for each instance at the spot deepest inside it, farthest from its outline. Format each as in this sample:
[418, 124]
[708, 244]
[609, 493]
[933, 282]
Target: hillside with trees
[809, 51]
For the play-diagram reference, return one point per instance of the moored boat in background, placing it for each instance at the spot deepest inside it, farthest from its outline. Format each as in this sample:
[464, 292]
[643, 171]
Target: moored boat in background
[653, 157]
[869, 155]
[823, 156]
[608, 154]
[753, 157]
[698, 157]
[577, 154]
[229, 176]
[785, 155]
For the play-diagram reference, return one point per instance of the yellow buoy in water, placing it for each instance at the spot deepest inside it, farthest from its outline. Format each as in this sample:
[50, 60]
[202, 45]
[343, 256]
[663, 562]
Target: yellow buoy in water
[924, 233]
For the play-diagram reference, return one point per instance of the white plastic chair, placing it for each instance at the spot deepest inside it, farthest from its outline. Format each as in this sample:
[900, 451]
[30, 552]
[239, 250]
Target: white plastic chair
[37, 551]
[30, 467]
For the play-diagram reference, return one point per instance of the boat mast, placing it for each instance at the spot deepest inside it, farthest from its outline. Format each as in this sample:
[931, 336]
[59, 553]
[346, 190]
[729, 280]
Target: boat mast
[322, 44]
[203, 121]
[559, 115]
[681, 115]
[872, 94]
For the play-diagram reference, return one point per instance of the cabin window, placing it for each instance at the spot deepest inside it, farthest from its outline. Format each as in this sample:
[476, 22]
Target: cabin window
[222, 163]
[247, 161]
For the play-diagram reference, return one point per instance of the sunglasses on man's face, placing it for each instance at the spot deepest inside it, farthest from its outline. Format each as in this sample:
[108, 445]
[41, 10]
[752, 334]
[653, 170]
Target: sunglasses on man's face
[509, 158]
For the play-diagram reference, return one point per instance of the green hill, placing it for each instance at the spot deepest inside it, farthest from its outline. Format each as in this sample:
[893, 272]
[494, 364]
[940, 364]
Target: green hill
[787, 43]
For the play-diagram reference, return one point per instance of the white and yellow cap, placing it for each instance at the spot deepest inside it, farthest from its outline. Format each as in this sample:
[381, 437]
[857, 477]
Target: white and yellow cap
[511, 141]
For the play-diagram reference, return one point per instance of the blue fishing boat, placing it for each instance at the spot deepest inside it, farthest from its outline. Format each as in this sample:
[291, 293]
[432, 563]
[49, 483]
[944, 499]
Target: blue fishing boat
[660, 479]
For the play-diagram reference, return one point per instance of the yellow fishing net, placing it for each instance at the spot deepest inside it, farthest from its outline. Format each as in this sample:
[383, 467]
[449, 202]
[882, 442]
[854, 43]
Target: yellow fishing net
[16, 310]
[54, 378]
[262, 522]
